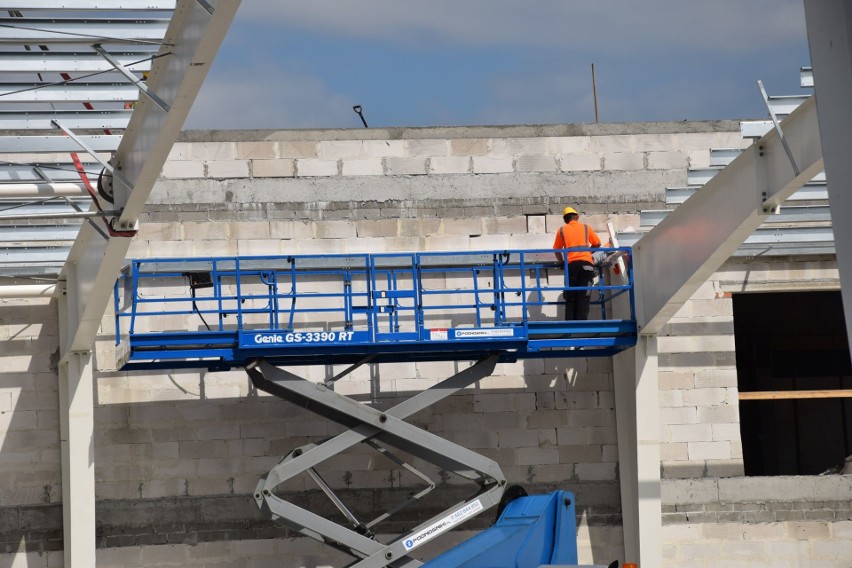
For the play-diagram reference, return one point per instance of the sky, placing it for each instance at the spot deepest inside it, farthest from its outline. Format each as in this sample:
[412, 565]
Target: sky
[291, 64]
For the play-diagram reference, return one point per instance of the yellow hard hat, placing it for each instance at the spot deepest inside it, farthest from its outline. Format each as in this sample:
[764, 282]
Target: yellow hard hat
[568, 210]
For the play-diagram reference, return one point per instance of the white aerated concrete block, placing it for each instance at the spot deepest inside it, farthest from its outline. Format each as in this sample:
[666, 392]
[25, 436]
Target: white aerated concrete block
[580, 162]
[362, 167]
[450, 165]
[264, 247]
[688, 433]
[526, 146]
[699, 451]
[215, 151]
[180, 151]
[569, 145]
[595, 471]
[616, 143]
[291, 230]
[469, 147]
[384, 148]
[297, 149]
[316, 168]
[654, 142]
[704, 397]
[379, 228]
[260, 150]
[183, 169]
[340, 149]
[228, 169]
[466, 227]
[679, 415]
[700, 141]
[335, 229]
[194, 230]
[492, 165]
[698, 159]
[536, 456]
[426, 148]
[405, 166]
[623, 161]
[535, 163]
[273, 168]
[667, 160]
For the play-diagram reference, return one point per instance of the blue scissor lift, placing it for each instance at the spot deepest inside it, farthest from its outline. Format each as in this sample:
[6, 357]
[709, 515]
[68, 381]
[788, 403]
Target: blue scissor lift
[263, 313]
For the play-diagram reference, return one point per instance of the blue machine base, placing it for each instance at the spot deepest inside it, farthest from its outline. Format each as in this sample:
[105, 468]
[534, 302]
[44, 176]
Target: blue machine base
[532, 531]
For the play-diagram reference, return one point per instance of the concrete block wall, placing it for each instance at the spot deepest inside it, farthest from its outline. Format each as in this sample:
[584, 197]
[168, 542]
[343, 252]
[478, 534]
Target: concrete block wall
[699, 402]
[173, 445]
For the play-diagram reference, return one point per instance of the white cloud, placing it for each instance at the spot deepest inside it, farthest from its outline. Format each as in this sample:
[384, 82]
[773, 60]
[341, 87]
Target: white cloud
[605, 26]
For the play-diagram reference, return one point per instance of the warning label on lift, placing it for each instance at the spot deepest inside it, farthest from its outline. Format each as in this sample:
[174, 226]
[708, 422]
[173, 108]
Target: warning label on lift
[291, 338]
[486, 332]
[445, 524]
[443, 334]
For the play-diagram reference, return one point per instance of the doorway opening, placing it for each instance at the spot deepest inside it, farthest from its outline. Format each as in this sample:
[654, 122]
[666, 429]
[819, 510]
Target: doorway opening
[795, 382]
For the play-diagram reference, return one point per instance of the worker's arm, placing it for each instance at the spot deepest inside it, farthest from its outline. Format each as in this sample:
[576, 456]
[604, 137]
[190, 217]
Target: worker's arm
[594, 239]
[558, 243]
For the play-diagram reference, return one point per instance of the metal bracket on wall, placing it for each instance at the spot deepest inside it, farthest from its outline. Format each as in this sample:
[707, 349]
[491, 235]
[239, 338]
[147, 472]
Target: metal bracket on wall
[377, 429]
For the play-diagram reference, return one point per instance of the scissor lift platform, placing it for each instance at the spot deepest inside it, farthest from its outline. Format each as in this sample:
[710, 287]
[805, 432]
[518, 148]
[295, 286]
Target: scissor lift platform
[221, 313]
[264, 313]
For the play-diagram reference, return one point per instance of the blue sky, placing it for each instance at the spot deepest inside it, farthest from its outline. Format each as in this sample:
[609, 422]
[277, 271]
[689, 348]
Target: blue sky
[305, 63]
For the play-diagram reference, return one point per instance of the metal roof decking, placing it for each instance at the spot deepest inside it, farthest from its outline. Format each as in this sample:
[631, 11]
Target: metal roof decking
[61, 93]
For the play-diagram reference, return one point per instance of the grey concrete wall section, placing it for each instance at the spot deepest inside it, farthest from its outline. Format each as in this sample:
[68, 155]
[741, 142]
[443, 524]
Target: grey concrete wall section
[600, 187]
[509, 131]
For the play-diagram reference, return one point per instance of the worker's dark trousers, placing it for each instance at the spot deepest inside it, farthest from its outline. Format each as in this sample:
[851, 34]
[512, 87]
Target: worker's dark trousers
[580, 273]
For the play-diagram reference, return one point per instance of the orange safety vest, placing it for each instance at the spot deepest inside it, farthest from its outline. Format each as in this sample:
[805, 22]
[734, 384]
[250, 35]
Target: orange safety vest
[576, 234]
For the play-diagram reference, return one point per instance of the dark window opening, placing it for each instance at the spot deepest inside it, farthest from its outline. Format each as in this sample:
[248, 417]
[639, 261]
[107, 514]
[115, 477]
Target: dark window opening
[793, 365]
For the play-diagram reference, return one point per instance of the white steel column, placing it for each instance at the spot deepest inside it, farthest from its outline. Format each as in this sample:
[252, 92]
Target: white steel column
[830, 39]
[86, 282]
[76, 405]
[637, 416]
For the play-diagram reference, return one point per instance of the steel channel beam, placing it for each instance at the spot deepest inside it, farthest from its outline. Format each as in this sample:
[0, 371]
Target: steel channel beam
[690, 244]
[38, 31]
[79, 120]
[37, 233]
[54, 172]
[76, 62]
[816, 191]
[786, 214]
[71, 92]
[56, 144]
[32, 255]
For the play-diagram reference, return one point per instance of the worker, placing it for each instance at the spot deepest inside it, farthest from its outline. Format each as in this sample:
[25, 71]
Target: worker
[581, 269]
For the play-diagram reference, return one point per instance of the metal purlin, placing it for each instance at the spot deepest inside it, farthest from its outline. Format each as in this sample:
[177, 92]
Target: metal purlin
[370, 426]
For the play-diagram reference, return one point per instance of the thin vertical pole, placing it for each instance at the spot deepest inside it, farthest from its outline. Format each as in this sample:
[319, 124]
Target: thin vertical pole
[595, 92]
